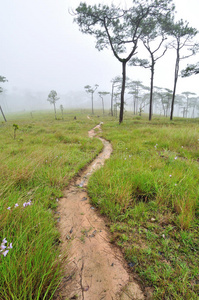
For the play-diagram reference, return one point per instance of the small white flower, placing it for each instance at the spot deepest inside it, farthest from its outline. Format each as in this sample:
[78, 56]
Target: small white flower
[176, 157]
[170, 176]
[16, 205]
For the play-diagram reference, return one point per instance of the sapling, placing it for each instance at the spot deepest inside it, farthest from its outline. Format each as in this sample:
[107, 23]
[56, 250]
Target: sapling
[15, 126]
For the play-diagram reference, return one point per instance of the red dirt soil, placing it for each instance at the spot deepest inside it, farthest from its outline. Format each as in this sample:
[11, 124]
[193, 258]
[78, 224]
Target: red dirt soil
[95, 269]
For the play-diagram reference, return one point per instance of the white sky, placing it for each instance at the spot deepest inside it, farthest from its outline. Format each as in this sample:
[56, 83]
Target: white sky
[42, 49]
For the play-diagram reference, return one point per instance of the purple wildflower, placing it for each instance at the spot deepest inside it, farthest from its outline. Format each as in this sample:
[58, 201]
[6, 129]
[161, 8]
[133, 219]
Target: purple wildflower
[9, 208]
[3, 247]
[27, 203]
[4, 241]
[16, 205]
[10, 247]
[5, 253]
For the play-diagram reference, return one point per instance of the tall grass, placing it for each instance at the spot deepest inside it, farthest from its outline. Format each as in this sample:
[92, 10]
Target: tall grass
[35, 167]
[150, 190]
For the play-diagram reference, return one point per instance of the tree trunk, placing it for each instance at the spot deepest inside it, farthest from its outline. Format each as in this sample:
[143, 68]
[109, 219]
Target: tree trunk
[55, 111]
[173, 98]
[103, 106]
[187, 104]
[183, 112]
[137, 100]
[3, 114]
[163, 107]
[136, 110]
[92, 103]
[151, 92]
[134, 105]
[193, 112]
[112, 99]
[175, 84]
[122, 91]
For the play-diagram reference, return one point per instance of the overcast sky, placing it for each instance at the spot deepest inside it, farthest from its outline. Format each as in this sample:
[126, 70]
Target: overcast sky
[42, 49]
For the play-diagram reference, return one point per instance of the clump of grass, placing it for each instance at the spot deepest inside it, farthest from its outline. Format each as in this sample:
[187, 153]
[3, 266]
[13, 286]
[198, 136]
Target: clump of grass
[33, 260]
[149, 189]
[35, 168]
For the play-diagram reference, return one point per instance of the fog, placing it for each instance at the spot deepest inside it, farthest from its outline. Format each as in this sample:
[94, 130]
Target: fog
[42, 49]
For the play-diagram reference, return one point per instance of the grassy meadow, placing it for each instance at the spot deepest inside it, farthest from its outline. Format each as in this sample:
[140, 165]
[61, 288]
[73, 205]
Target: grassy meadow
[35, 167]
[149, 189]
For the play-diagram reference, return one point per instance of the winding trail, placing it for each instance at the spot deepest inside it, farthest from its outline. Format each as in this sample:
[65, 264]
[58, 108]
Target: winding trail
[96, 269]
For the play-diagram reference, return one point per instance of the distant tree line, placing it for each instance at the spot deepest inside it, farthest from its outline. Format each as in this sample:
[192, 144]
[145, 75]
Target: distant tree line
[138, 97]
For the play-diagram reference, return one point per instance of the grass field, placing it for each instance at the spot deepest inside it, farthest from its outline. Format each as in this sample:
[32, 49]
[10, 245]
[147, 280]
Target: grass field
[149, 189]
[35, 167]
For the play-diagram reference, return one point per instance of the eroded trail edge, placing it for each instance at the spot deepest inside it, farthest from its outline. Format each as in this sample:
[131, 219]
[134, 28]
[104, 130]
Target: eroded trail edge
[95, 269]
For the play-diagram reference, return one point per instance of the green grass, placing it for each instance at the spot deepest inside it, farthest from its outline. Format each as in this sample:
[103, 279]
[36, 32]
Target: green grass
[149, 189]
[36, 166]
[153, 216]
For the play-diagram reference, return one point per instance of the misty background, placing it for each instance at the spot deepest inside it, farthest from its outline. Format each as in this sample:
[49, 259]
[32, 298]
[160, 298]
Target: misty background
[43, 50]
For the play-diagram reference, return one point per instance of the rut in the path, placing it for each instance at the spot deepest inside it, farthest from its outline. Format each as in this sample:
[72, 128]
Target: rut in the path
[95, 269]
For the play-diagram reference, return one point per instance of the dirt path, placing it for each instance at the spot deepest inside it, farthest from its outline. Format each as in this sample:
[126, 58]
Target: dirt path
[96, 269]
